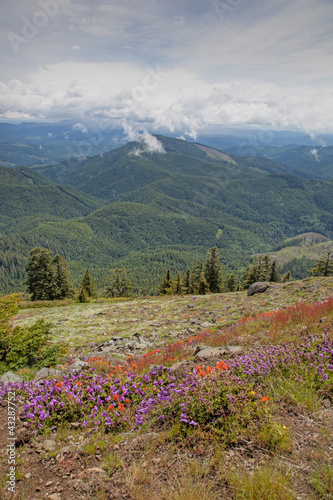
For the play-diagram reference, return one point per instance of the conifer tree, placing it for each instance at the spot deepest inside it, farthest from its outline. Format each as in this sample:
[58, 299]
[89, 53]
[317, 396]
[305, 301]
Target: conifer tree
[286, 277]
[230, 282]
[260, 270]
[40, 281]
[63, 287]
[187, 282]
[195, 277]
[165, 287]
[213, 272]
[82, 297]
[120, 285]
[177, 287]
[250, 276]
[274, 273]
[264, 267]
[324, 265]
[88, 285]
[203, 288]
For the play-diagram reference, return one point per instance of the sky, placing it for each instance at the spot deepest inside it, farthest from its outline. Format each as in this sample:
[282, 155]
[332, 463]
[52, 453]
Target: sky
[184, 66]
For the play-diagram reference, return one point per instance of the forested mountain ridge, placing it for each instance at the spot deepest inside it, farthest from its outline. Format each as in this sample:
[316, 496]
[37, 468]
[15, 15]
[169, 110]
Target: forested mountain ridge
[148, 211]
[25, 194]
[310, 162]
[130, 167]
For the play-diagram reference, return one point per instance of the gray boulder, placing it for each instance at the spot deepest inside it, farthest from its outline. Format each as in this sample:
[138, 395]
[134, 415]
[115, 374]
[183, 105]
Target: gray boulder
[77, 366]
[11, 378]
[181, 369]
[258, 287]
[212, 354]
[45, 373]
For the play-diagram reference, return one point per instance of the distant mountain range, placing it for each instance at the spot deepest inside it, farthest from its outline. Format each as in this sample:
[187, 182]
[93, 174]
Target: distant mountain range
[33, 144]
[148, 211]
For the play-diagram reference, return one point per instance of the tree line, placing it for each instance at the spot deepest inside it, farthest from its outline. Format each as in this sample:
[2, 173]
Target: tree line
[48, 278]
[208, 277]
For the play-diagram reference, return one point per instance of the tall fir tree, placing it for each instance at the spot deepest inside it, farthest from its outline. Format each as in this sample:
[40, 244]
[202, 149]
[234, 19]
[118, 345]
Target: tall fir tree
[230, 283]
[40, 280]
[120, 283]
[195, 277]
[213, 270]
[274, 272]
[324, 265]
[286, 277]
[187, 282]
[177, 286]
[165, 287]
[88, 285]
[203, 285]
[63, 287]
[262, 269]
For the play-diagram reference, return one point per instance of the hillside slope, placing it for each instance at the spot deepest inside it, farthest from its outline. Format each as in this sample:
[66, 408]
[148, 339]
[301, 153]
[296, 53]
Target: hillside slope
[210, 397]
[165, 209]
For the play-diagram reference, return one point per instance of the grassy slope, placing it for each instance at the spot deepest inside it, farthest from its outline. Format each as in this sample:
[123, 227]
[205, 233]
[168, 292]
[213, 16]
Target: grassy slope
[288, 456]
[310, 245]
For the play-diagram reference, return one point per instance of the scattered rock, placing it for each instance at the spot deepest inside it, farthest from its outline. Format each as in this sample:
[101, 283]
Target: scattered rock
[210, 354]
[75, 424]
[23, 435]
[79, 485]
[234, 350]
[206, 324]
[49, 445]
[11, 378]
[258, 287]
[327, 403]
[77, 366]
[200, 348]
[191, 331]
[93, 472]
[181, 369]
[44, 373]
[140, 346]
[54, 496]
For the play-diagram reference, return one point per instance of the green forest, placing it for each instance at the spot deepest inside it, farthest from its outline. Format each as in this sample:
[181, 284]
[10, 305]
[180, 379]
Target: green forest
[149, 212]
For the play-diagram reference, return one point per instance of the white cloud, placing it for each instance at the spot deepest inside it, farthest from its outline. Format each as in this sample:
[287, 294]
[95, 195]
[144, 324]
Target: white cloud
[80, 127]
[174, 100]
[264, 63]
[148, 144]
[314, 152]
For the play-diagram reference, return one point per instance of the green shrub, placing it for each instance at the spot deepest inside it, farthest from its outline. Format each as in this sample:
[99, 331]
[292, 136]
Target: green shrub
[24, 346]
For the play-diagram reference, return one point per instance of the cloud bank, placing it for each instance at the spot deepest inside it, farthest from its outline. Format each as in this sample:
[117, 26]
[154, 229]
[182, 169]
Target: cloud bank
[175, 100]
[169, 66]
